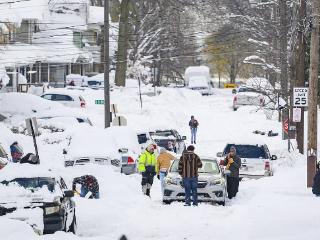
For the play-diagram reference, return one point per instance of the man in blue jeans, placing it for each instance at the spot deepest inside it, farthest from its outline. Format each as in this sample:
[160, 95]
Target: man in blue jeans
[189, 164]
[193, 124]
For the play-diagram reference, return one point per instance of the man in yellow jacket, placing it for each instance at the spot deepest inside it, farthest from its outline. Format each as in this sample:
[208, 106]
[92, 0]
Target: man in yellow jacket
[163, 163]
[147, 167]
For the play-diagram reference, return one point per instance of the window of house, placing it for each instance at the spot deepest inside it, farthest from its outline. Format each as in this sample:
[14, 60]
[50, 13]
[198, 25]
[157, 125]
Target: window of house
[77, 39]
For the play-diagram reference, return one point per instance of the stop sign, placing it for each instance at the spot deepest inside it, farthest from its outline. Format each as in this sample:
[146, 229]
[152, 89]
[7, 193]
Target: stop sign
[286, 125]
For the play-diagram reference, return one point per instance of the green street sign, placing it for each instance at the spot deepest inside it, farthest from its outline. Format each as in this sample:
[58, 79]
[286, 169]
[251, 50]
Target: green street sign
[99, 102]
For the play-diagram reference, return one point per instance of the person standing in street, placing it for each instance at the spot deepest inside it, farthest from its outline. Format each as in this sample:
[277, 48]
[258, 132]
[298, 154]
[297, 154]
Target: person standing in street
[163, 163]
[316, 182]
[147, 168]
[193, 124]
[232, 163]
[188, 168]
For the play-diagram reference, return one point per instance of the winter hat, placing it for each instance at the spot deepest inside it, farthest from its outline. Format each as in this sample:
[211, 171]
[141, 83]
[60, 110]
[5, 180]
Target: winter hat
[190, 148]
[233, 149]
[162, 150]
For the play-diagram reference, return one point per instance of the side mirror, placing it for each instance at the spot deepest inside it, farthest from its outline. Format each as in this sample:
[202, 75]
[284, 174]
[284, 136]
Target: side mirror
[220, 154]
[274, 157]
[68, 194]
[64, 151]
[184, 138]
[123, 150]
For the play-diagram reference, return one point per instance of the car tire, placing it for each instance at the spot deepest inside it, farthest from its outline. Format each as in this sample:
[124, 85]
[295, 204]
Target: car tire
[235, 109]
[223, 203]
[166, 202]
[73, 226]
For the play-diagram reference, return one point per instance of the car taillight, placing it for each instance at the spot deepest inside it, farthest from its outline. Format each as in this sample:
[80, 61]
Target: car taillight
[131, 160]
[267, 166]
[235, 99]
[82, 104]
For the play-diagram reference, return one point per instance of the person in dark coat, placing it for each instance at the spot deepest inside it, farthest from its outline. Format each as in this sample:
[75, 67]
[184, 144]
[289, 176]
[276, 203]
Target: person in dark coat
[316, 182]
[88, 184]
[232, 163]
[193, 124]
[189, 164]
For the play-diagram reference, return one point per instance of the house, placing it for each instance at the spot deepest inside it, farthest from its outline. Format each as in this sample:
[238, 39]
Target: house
[45, 47]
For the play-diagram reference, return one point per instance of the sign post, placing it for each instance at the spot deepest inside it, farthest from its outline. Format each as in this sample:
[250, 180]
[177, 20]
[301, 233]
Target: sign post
[300, 97]
[32, 129]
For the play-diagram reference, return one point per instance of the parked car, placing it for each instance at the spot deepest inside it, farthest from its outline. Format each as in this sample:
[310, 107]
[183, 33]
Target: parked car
[211, 183]
[163, 138]
[247, 96]
[256, 161]
[3, 157]
[45, 120]
[32, 188]
[116, 146]
[69, 99]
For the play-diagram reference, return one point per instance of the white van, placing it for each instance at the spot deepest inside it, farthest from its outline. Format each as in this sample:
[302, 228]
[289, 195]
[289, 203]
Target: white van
[200, 84]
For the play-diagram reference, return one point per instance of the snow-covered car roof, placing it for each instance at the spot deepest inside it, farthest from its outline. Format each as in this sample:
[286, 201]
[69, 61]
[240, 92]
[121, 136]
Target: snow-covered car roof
[92, 141]
[15, 170]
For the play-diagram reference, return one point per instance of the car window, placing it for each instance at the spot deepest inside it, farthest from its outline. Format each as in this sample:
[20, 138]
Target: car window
[142, 138]
[208, 166]
[33, 183]
[60, 97]
[248, 151]
[47, 96]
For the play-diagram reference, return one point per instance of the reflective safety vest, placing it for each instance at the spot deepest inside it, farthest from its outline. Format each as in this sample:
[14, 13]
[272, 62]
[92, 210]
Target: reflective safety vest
[146, 159]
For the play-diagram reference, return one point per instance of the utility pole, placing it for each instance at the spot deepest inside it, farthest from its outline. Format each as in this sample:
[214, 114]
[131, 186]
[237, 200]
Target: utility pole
[300, 69]
[106, 66]
[313, 94]
[284, 60]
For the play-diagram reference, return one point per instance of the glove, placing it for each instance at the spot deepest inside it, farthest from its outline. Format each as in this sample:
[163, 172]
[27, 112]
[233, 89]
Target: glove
[158, 176]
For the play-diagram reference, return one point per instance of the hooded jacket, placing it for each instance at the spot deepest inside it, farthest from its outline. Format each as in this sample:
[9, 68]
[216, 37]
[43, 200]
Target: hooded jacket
[164, 161]
[233, 167]
[147, 160]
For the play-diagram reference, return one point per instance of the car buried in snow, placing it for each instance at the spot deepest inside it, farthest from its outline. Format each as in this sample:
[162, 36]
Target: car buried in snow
[169, 139]
[256, 160]
[37, 196]
[211, 183]
[115, 146]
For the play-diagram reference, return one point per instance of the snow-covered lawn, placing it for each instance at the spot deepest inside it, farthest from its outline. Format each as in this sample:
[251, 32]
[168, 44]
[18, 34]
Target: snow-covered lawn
[278, 207]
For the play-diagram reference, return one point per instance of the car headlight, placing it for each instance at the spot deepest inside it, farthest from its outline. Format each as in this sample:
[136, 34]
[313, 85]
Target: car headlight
[174, 181]
[51, 210]
[219, 181]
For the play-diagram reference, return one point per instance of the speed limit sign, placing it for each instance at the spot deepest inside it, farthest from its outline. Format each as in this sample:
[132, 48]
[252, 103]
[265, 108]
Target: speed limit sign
[300, 97]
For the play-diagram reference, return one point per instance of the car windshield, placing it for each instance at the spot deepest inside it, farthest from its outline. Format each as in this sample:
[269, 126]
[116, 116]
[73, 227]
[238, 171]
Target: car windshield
[248, 151]
[167, 133]
[33, 183]
[247, 90]
[208, 166]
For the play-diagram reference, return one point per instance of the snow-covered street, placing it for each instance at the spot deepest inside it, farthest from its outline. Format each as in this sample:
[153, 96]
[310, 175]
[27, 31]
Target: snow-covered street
[278, 207]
